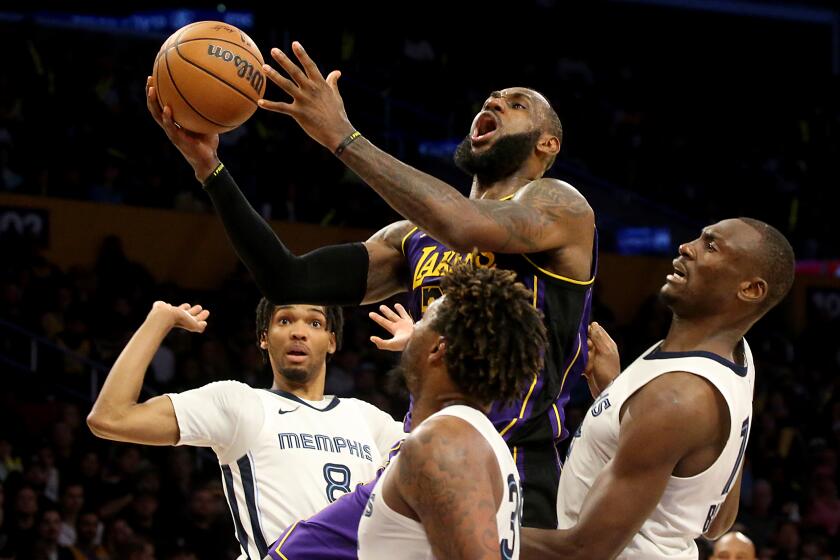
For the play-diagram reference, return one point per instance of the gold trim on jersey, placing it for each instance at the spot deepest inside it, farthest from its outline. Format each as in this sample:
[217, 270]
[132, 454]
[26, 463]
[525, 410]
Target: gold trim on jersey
[508, 427]
[524, 404]
[533, 383]
[407, 235]
[559, 424]
[536, 280]
[557, 276]
[565, 373]
[277, 550]
[514, 456]
[528, 396]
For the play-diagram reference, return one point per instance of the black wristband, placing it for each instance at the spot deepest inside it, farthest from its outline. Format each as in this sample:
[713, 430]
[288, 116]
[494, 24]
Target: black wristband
[346, 142]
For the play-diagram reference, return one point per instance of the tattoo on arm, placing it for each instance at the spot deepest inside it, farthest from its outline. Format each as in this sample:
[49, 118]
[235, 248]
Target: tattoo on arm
[449, 488]
[534, 221]
[535, 217]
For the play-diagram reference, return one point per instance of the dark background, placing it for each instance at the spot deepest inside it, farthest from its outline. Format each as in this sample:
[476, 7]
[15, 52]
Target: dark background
[675, 115]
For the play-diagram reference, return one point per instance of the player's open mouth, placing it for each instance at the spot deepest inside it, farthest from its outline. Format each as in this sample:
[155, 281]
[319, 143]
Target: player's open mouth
[296, 355]
[485, 128]
[679, 274]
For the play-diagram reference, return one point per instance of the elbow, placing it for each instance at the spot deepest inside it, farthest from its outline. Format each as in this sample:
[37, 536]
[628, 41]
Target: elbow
[99, 424]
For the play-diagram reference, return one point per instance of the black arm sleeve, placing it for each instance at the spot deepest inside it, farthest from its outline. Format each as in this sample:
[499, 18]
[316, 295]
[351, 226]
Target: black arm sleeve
[333, 275]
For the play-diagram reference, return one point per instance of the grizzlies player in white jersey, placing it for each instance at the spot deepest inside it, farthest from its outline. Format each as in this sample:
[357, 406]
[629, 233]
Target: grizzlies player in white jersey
[657, 460]
[284, 453]
[453, 491]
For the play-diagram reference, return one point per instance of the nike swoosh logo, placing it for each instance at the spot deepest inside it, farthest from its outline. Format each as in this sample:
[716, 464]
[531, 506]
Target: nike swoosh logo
[281, 411]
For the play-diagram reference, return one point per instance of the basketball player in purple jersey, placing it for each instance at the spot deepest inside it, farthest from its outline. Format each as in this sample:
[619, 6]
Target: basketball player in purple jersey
[543, 229]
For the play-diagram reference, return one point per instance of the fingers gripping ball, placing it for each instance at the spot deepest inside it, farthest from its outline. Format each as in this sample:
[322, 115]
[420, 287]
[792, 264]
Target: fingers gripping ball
[210, 74]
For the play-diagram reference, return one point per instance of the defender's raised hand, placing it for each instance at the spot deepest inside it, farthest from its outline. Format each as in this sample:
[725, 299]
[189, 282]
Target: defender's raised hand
[604, 362]
[192, 318]
[316, 103]
[398, 323]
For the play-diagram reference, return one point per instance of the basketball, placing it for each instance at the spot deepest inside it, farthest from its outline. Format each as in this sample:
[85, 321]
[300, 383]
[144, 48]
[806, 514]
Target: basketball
[210, 74]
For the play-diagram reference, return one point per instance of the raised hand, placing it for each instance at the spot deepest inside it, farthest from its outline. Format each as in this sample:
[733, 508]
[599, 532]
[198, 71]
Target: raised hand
[398, 323]
[198, 149]
[192, 318]
[604, 364]
[316, 103]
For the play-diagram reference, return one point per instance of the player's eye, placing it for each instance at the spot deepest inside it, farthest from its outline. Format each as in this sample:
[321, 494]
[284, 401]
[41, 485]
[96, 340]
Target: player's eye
[283, 321]
[518, 106]
[710, 245]
[316, 323]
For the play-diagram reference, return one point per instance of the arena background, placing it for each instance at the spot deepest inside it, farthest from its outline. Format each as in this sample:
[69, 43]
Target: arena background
[676, 113]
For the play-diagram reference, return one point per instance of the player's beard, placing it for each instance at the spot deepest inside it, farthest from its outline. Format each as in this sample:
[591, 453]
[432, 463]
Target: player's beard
[296, 375]
[409, 375]
[500, 160]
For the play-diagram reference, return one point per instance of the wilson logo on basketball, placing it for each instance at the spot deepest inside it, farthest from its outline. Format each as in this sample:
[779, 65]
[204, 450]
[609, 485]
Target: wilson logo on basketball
[244, 70]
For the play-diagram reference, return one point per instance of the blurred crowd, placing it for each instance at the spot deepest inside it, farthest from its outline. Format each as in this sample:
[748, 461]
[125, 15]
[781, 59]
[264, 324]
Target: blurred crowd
[638, 117]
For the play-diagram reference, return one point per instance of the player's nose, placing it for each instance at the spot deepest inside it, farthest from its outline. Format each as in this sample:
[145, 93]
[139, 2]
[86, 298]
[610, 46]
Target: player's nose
[495, 104]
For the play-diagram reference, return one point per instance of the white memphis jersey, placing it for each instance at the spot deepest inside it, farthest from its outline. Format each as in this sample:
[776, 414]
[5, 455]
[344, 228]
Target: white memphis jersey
[282, 458]
[385, 534]
[688, 505]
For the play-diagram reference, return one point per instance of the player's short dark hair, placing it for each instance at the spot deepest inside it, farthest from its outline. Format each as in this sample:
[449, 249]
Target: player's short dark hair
[266, 309]
[775, 259]
[494, 336]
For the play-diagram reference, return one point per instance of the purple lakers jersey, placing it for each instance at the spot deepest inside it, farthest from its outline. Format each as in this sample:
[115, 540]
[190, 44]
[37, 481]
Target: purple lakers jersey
[565, 304]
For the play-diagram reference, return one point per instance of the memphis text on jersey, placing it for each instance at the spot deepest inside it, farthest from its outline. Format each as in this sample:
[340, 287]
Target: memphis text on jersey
[321, 442]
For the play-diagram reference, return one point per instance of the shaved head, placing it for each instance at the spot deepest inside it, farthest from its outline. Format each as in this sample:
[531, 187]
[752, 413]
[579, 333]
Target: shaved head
[548, 120]
[774, 260]
[734, 546]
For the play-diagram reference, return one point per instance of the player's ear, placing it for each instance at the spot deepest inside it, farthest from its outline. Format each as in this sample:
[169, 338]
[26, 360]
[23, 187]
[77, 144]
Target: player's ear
[548, 144]
[263, 341]
[438, 352]
[332, 347]
[753, 290]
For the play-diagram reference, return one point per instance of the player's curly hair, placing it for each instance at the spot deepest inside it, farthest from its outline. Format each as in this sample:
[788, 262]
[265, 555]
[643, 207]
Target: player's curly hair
[494, 337]
[265, 311]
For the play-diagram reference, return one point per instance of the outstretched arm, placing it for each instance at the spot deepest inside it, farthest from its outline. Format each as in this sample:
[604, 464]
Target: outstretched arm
[548, 214]
[336, 275]
[116, 414]
[346, 274]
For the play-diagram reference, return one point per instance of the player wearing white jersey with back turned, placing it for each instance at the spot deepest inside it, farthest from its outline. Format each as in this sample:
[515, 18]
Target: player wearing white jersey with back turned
[453, 491]
[657, 460]
[284, 453]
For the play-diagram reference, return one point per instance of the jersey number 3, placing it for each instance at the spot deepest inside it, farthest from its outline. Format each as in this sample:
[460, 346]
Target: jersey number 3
[508, 546]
